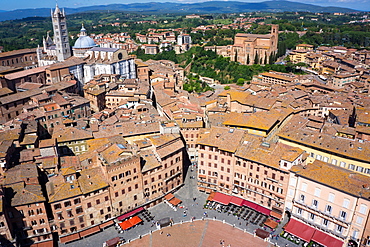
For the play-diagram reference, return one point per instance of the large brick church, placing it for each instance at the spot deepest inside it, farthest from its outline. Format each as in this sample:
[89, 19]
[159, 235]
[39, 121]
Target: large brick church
[250, 48]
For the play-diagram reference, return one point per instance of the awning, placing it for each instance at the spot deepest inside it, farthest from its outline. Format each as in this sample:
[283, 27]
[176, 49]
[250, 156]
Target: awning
[300, 230]
[211, 195]
[250, 204]
[90, 231]
[135, 220]
[44, 244]
[69, 238]
[275, 215]
[222, 198]
[236, 201]
[112, 242]
[125, 225]
[175, 201]
[202, 176]
[262, 233]
[169, 196]
[325, 239]
[263, 210]
[106, 224]
[270, 223]
[126, 215]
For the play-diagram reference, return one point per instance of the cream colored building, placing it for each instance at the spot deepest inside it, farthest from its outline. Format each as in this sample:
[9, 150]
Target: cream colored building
[330, 199]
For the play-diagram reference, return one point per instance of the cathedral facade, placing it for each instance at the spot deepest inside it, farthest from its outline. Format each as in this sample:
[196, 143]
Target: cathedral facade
[85, 60]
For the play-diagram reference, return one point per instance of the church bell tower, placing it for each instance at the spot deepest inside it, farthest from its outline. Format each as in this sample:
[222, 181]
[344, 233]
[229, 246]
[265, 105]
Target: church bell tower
[63, 49]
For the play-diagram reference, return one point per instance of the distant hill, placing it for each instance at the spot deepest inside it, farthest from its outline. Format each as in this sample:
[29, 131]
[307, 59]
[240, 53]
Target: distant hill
[201, 8]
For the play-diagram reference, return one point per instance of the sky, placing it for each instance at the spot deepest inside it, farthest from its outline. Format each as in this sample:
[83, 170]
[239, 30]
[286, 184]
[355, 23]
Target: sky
[23, 4]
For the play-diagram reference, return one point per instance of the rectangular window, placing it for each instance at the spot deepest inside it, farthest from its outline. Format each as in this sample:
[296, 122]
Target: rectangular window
[359, 220]
[312, 216]
[315, 203]
[325, 222]
[317, 192]
[334, 162]
[351, 166]
[302, 197]
[331, 197]
[343, 215]
[359, 169]
[363, 209]
[304, 187]
[345, 203]
[328, 209]
[339, 228]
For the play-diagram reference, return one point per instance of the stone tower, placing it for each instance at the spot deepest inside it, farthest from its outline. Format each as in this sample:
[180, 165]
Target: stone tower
[63, 49]
[275, 39]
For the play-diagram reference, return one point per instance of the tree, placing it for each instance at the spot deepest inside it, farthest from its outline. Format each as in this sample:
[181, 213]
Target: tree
[256, 59]
[240, 82]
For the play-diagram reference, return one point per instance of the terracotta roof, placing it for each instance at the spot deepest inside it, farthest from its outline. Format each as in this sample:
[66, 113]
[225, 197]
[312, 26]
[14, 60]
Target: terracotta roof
[251, 149]
[276, 76]
[296, 131]
[17, 52]
[71, 134]
[25, 73]
[257, 120]
[91, 180]
[25, 194]
[21, 172]
[150, 160]
[58, 189]
[221, 137]
[69, 62]
[335, 177]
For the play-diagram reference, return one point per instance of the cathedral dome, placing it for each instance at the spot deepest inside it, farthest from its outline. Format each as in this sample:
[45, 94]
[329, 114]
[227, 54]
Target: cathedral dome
[84, 42]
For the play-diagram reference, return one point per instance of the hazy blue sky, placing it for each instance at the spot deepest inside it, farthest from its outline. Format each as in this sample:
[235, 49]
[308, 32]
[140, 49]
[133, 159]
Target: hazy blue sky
[22, 4]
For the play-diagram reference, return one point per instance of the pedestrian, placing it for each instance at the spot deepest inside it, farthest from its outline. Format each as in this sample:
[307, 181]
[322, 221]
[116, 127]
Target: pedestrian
[277, 236]
[161, 232]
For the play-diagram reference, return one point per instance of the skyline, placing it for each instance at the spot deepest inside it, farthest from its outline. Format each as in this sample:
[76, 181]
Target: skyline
[363, 5]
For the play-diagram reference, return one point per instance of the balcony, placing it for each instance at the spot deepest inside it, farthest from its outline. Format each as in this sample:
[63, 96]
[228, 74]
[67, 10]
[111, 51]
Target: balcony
[272, 180]
[322, 213]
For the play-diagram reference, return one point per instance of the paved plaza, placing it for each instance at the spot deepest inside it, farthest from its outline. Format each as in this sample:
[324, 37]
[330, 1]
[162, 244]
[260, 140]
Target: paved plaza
[205, 230]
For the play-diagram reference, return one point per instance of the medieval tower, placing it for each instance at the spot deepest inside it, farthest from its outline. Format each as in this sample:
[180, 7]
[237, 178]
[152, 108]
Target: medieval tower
[63, 49]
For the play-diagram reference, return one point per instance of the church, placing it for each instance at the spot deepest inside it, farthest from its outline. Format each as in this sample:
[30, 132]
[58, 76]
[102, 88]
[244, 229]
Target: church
[250, 49]
[85, 60]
